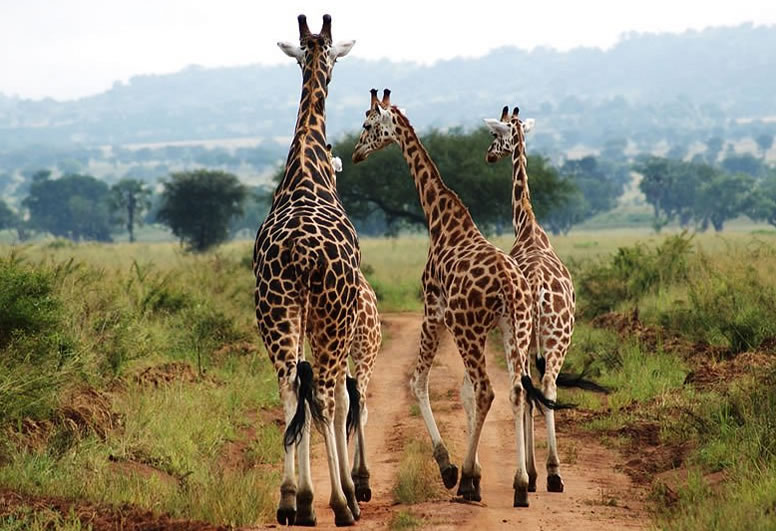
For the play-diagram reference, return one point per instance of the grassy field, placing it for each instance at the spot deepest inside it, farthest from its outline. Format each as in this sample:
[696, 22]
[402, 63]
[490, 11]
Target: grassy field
[132, 373]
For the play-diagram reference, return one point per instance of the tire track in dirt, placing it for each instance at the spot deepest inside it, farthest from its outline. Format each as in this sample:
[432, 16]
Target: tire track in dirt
[597, 495]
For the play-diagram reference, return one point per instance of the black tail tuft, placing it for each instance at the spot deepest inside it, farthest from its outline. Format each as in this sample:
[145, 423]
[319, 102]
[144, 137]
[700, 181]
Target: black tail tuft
[354, 409]
[535, 395]
[567, 380]
[304, 393]
[579, 381]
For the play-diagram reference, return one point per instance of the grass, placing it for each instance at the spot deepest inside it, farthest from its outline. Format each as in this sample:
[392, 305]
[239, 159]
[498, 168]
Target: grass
[90, 320]
[405, 520]
[418, 478]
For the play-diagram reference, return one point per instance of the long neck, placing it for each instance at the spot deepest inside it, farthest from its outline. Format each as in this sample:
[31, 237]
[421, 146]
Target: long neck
[523, 219]
[445, 213]
[307, 165]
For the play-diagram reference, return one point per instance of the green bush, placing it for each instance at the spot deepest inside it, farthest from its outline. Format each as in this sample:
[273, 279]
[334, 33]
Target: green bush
[631, 273]
[729, 306]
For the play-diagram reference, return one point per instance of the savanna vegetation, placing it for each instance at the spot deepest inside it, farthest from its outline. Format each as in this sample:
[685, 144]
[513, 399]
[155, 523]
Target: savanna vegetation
[141, 380]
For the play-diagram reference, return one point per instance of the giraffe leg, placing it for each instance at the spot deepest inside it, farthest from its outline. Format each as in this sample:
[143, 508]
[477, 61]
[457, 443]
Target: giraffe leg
[554, 481]
[337, 500]
[530, 456]
[429, 342]
[340, 432]
[286, 513]
[516, 350]
[360, 472]
[478, 384]
[305, 513]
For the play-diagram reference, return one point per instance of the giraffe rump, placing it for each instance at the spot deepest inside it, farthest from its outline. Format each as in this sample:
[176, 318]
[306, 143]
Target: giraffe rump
[569, 380]
[304, 392]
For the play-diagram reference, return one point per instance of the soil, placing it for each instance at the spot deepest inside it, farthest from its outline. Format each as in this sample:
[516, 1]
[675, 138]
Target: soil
[598, 494]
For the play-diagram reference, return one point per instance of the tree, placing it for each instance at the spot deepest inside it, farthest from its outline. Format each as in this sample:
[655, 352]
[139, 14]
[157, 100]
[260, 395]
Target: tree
[574, 211]
[722, 197]
[745, 163]
[763, 203]
[132, 198]
[383, 184]
[764, 142]
[74, 206]
[198, 206]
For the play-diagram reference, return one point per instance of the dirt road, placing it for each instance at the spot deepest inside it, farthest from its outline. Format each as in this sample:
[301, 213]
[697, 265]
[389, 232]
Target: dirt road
[596, 497]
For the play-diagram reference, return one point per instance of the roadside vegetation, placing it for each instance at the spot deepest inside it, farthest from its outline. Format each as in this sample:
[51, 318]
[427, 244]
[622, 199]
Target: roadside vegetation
[132, 374]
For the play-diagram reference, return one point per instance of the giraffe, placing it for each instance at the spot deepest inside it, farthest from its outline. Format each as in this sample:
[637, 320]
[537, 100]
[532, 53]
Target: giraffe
[549, 280]
[363, 353]
[306, 260]
[469, 287]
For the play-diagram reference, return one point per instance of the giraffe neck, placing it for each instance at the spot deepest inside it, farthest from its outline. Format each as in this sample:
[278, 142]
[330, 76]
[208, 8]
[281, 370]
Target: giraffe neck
[307, 163]
[446, 214]
[523, 219]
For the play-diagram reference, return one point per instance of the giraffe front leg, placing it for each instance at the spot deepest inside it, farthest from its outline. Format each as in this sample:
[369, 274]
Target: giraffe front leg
[337, 501]
[360, 472]
[479, 396]
[342, 401]
[530, 454]
[554, 481]
[429, 341]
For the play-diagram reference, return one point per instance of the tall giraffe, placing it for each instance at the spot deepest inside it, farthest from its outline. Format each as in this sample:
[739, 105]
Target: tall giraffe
[306, 260]
[550, 282]
[363, 352]
[469, 286]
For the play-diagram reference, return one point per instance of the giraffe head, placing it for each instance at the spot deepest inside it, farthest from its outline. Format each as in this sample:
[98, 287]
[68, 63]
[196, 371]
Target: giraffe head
[508, 134]
[379, 127]
[316, 48]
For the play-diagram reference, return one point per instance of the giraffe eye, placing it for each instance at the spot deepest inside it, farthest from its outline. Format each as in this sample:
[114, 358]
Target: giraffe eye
[367, 127]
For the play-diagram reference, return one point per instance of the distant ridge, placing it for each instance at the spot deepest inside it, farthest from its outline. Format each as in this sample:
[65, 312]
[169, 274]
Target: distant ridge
[645, 87]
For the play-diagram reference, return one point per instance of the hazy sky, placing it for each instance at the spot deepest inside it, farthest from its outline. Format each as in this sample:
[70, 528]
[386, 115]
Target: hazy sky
[71, 48]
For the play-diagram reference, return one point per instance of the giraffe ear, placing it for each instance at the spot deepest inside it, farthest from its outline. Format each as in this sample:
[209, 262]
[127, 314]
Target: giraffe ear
[528, 125]
[336, 163]
[342, 48]
[291, 50]
[496, 126]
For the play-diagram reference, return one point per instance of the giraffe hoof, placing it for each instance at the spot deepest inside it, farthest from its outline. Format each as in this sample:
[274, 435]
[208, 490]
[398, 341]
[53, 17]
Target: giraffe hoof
[305, 514]
[450, 476]
[521, 497]
[286, 516]
[554, 483]
[343, 517]
[531, 483]
[363, 493]
[469, 489]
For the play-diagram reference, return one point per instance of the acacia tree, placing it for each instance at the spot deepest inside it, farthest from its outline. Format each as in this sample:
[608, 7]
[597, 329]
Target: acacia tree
[198, 206]
[764, 142]
[73, 206]
[132, 198]
[384, 187]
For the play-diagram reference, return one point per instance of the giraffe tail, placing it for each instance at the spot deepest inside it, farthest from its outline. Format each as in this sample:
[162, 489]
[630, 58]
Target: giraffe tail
[354, 408]
[535, 396]
[305, 396]
[569, 380]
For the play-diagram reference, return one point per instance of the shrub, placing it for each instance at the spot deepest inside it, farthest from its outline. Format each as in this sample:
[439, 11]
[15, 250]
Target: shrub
[632, 273]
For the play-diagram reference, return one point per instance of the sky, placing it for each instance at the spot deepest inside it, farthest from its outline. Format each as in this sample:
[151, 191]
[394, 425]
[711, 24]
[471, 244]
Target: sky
[68, 49]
